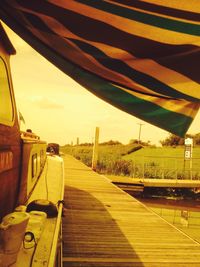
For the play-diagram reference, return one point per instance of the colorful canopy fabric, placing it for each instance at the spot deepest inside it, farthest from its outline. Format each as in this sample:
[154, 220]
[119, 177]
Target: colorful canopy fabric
[141, 56]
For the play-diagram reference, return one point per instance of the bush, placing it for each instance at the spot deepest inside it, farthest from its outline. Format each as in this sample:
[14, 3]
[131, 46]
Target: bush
[116, 167]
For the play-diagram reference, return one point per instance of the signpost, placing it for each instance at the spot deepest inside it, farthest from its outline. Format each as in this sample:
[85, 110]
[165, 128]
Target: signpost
[188, 153]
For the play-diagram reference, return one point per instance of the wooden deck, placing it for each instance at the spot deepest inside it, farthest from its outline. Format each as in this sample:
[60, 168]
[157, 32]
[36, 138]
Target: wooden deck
[104, 226]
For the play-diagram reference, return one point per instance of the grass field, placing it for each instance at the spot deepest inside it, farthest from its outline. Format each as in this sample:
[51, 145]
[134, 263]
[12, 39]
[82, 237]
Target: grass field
[166, 162]
[147, 162]
[163, 152]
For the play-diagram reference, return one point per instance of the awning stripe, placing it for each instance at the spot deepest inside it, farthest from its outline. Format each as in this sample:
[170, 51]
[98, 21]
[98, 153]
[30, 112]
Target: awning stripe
[154, 20]
[162, 10]
[187, 64]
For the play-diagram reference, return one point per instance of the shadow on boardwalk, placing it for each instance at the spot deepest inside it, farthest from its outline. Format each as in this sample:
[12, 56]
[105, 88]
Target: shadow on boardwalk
[91, 236]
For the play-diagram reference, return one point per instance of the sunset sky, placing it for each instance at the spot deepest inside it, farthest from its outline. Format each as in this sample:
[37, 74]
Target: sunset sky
[60, 110]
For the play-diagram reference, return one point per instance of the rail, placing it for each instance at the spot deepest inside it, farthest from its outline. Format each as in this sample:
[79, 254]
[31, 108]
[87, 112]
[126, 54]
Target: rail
[165, 168]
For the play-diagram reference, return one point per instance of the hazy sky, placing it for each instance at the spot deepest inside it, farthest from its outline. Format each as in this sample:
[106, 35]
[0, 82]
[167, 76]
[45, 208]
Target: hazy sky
[60, 110]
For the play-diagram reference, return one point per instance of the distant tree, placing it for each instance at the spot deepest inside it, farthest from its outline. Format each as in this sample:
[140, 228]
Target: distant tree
[111, 143]
[174, 140]
[86, 144]
[196, 139]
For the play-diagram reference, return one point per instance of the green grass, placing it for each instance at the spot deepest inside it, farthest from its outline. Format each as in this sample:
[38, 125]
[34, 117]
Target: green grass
[162, 152]
[167, 162]
[110, 157]
[148, 162]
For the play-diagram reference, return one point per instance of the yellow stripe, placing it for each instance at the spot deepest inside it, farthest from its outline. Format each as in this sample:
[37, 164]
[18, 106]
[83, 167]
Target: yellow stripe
[172, 78]
[178, 106]
[129, 26]
[187, 5]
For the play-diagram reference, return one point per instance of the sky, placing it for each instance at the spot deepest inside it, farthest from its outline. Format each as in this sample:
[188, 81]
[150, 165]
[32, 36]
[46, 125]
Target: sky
[59, 110]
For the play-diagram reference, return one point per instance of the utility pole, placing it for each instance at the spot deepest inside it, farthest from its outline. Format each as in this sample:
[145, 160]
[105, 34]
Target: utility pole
[77, 141]
[95, 150]
[140, 129]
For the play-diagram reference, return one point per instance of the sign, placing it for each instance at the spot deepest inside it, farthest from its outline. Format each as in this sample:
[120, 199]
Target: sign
[188, 154]
[188, 148]
[189, 141]
[6, 161]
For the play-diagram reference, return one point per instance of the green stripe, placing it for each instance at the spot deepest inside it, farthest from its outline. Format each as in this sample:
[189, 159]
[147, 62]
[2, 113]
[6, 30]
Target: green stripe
[171, 121]
[165, 23]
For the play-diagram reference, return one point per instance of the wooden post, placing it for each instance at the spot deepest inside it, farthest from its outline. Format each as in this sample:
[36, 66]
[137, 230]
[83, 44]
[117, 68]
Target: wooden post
[95, 150]
[140, 132]
[188, 153]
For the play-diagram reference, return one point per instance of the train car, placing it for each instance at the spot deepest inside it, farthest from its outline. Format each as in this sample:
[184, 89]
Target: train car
[31, 182]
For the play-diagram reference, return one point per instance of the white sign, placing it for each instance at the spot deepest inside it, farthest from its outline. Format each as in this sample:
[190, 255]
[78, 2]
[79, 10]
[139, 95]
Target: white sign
[188, 141]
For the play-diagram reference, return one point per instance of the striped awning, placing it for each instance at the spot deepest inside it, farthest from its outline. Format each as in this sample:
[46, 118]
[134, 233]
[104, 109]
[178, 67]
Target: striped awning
[141, 56]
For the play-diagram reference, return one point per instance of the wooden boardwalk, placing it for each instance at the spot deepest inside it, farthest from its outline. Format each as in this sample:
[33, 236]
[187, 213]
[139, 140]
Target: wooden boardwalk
[104, 226]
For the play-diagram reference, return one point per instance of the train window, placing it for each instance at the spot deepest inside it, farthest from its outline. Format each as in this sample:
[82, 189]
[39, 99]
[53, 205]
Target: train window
[34, 165]
[6, 107]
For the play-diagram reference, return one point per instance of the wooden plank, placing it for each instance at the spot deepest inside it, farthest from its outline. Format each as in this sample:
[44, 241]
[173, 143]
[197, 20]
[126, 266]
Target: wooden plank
[104, 226]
